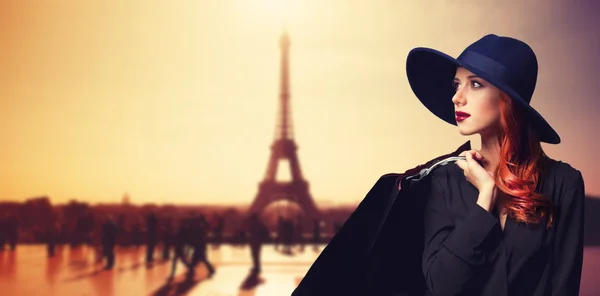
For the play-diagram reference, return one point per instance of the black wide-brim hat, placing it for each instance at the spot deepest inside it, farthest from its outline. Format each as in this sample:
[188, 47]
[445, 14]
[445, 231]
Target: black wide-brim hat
[505, 62]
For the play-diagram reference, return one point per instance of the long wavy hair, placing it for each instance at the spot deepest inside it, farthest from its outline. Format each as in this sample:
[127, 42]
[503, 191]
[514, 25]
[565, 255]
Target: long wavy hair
[522, 167]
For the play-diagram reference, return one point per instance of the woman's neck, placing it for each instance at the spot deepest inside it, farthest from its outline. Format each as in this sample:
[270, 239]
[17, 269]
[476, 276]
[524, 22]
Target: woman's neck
[490, 150]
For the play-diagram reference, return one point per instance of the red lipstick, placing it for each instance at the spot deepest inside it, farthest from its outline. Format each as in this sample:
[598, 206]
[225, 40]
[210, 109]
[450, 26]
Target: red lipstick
[460, 116]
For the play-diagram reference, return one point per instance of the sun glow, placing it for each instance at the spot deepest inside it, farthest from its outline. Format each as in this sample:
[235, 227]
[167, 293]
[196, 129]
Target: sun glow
[281, 11]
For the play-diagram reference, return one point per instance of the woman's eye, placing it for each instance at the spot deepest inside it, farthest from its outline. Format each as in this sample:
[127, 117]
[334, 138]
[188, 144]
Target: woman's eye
[455, 85]
[476, 84]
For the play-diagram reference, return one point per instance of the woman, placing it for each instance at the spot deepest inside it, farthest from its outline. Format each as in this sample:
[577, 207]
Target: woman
[508, 220]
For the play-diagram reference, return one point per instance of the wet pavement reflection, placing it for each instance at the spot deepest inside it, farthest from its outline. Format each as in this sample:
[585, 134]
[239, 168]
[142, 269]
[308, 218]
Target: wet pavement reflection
[78, 271]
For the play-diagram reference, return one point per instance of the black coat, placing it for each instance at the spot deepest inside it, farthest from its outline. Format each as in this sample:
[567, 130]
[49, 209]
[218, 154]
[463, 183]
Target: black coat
[378, 250]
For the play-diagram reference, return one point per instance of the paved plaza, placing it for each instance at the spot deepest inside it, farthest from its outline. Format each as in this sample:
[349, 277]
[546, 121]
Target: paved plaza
[28, 271]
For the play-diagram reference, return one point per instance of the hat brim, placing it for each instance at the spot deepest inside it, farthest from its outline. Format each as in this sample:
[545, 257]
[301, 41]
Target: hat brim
[431, 73]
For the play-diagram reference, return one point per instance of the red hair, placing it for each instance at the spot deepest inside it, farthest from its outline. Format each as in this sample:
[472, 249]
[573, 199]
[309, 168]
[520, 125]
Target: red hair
[521, 167]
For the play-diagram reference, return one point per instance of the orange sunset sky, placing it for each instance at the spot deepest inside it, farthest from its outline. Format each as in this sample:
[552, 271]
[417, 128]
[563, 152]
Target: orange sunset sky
[175, 101]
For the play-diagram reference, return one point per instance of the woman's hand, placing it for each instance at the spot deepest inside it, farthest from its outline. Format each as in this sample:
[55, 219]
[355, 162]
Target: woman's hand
[474, 172]
[480, 178]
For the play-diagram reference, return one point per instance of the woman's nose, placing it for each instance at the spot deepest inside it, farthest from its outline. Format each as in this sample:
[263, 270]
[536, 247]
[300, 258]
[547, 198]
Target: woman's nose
[458, 97]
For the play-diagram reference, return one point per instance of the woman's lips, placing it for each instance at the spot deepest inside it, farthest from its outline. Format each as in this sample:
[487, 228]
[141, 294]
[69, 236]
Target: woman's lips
[460, 116]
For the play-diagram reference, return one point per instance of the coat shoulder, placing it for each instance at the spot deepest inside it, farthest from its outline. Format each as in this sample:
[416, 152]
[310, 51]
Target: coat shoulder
[446, 174]
[563, 174]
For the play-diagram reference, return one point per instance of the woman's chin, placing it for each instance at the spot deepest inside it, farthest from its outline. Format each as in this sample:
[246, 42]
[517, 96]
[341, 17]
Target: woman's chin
[465, 131]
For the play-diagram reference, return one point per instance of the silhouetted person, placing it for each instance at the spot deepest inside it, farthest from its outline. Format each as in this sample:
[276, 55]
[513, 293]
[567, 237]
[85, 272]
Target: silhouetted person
[109, 239]
[288, 235]
[52, 233]
[167, 237]
[198, 240]
[13, 231]
[97, 240]
[152, 237]
[179, 242]
[316, 234]
[259, 233]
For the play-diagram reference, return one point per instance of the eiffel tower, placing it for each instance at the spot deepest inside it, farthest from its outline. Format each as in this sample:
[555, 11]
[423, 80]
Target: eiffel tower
[284, 148]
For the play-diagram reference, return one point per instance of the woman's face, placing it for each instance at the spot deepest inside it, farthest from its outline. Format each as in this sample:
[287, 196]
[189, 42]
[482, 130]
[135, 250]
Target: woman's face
[480, 100]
